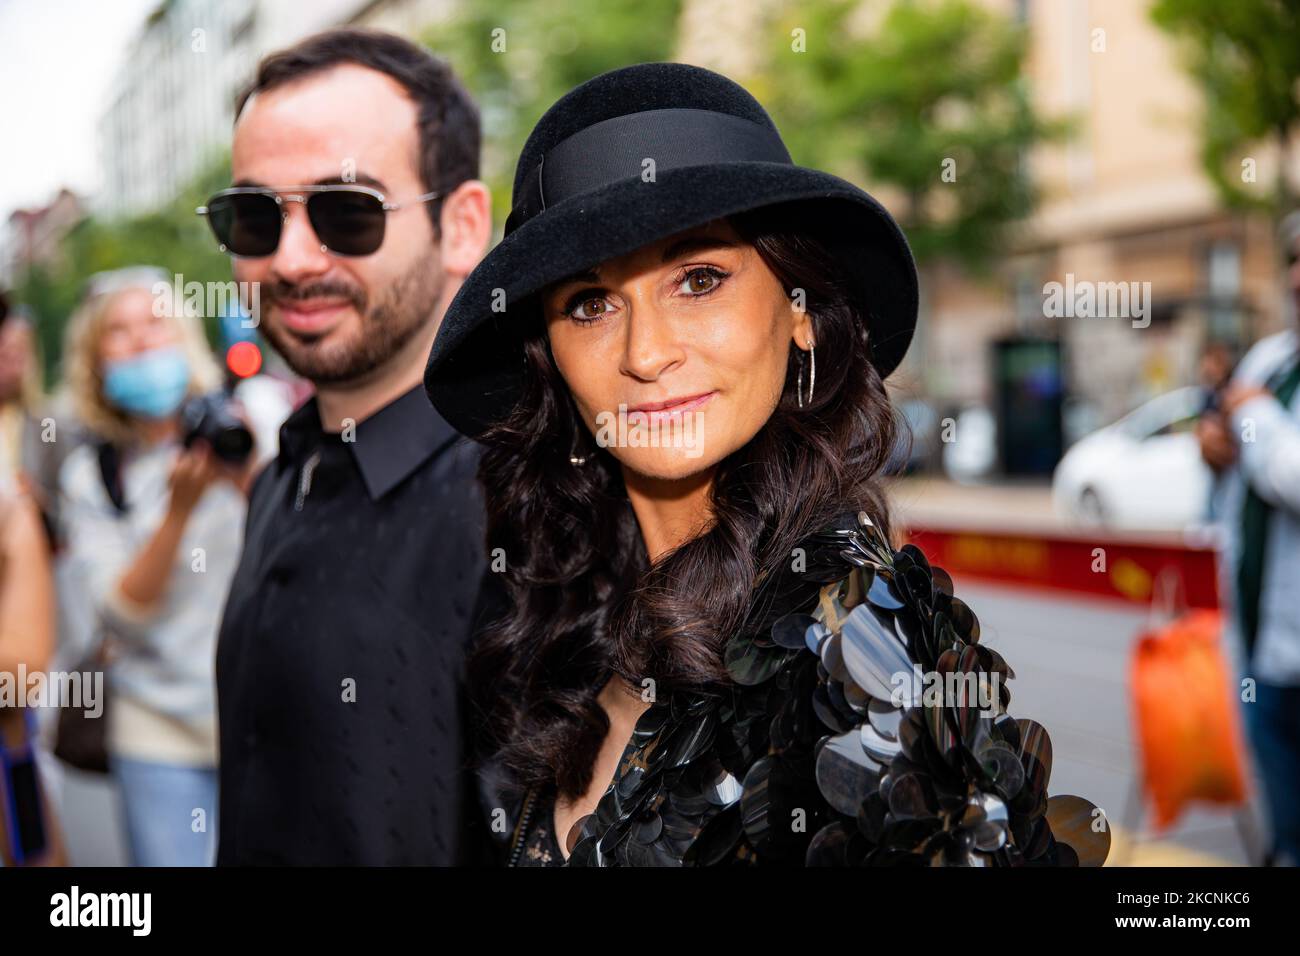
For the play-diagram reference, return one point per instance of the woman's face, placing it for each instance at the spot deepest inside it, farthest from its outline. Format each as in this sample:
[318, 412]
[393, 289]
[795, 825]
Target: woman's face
[130, 327]
[676, 353]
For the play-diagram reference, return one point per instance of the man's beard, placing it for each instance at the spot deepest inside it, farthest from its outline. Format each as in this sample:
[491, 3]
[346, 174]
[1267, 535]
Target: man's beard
[401, 312]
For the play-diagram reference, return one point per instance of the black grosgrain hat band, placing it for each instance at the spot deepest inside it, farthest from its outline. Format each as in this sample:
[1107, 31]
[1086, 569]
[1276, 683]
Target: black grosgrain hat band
[617, 148]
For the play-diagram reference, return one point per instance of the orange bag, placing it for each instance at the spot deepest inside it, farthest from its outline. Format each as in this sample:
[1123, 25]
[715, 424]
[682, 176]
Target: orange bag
[1187, 722]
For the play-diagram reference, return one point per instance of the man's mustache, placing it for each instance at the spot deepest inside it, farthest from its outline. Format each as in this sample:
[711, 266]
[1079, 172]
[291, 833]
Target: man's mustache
[282, 292]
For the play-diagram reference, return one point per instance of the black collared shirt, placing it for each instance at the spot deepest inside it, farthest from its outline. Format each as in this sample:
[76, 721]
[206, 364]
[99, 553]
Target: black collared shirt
[341, 651]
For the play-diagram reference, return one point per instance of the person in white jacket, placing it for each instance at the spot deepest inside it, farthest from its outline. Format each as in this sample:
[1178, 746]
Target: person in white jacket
[154, 531]
[1254, 442]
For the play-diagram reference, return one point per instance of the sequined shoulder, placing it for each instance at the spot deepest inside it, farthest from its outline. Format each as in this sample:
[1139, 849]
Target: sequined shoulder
[868, 727]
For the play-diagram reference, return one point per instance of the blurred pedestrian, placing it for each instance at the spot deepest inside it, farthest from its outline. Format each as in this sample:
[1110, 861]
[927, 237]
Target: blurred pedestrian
[1214, 367]
[1215, 364]
[31, 452]
[341, 649]
[28, 833]
[1255, 441]
[153, 534]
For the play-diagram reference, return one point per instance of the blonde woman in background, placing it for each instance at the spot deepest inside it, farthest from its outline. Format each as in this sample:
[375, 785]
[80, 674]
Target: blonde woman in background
[153, 535]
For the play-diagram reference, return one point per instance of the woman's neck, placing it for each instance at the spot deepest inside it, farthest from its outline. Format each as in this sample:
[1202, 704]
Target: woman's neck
[669, 511]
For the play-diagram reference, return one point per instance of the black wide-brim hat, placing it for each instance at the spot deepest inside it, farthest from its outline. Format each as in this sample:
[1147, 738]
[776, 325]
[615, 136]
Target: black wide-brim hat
[580, 199]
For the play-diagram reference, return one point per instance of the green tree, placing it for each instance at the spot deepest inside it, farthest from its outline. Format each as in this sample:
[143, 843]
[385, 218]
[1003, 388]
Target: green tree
[518, 57]
[171, 237]
[1245, 56]
[928, 104]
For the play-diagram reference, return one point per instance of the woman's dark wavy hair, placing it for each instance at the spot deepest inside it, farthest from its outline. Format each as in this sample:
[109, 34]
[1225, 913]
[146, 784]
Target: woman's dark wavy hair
[585, 604]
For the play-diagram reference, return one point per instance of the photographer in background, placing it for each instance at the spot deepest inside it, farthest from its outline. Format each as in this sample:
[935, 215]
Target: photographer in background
[153, 536]
[1253, 442]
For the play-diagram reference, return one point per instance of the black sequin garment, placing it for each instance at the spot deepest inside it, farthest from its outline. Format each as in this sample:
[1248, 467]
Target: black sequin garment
[835, 746]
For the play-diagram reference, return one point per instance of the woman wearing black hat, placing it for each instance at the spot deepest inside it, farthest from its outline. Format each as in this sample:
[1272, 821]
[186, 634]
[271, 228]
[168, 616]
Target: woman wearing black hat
[711, 653]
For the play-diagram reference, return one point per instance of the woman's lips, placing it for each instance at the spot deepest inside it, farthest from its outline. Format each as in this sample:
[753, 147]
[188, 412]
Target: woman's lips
[670, 408]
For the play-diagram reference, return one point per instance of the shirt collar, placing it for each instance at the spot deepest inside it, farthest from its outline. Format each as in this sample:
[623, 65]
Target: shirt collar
[389, 445]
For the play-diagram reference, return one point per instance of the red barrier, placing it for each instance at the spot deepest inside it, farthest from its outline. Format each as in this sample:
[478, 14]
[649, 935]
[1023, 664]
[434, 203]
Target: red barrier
[1117, 566]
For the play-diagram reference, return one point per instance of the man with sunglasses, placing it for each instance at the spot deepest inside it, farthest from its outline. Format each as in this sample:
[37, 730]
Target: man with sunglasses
[356, 208]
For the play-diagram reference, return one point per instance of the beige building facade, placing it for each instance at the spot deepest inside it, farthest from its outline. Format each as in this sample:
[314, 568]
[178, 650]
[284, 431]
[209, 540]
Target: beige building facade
[1123, 201]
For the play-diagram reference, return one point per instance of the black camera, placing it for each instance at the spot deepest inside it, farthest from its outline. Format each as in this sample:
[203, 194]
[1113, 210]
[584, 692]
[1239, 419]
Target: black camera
[212, 418]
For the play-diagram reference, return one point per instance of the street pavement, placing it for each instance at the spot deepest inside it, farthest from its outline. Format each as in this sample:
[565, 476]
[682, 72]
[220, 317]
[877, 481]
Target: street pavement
[1071, 657]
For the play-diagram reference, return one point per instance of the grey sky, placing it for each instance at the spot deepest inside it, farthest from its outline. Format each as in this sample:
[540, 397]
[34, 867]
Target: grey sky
[57, 63]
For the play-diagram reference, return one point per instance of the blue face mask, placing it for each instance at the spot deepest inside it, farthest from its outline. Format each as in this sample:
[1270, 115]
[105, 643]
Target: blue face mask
[150, 385]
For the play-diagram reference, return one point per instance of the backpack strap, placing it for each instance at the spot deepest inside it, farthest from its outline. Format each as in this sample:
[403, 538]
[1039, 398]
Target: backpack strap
[110, 473]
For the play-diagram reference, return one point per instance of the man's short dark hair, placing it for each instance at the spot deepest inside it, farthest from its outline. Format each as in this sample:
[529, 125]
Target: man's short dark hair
[447, 120]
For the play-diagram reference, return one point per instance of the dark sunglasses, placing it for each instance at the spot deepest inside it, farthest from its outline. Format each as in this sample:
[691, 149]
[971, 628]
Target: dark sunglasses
[349, 220]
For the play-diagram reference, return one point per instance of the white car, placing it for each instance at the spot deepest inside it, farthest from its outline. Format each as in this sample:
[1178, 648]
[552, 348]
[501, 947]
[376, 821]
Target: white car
[972, 455]
[1143, 471]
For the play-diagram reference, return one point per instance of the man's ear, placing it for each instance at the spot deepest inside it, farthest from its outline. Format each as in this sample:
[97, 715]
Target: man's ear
[465, 225]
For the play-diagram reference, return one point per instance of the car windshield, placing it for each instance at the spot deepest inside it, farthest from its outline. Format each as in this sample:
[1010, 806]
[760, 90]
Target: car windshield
[1170, 413]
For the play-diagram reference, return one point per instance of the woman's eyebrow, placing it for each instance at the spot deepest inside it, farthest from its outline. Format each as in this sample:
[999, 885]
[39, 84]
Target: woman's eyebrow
[695, 244]
[677, 250]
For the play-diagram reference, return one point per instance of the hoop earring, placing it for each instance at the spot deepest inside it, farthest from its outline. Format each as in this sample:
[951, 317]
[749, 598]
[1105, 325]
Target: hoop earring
[812, 369]
[812, 374]
[574, 458]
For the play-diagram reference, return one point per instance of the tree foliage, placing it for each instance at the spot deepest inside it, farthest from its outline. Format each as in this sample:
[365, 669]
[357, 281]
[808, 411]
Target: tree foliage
[931, 87]
[171, 237]
[518, 57]
[1245, 57]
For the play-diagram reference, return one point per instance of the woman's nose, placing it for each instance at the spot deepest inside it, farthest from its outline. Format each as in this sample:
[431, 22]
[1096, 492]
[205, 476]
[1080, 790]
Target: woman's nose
[652, 346]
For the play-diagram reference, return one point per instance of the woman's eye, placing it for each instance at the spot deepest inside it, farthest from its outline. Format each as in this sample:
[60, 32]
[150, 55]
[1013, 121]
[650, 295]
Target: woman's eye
[589, 309]
[701, 281]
